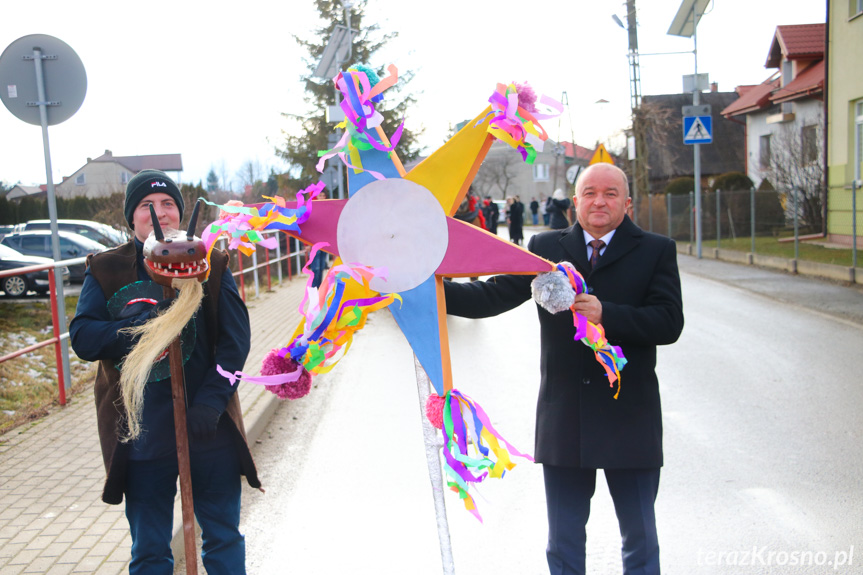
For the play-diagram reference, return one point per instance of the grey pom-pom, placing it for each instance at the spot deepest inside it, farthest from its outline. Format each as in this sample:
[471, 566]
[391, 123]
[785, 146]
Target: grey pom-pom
[552, 291]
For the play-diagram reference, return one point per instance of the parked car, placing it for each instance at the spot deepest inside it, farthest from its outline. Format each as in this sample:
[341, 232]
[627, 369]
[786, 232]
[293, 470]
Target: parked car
[15, 286]
[102, 233]
[38, 243]
[5, 230]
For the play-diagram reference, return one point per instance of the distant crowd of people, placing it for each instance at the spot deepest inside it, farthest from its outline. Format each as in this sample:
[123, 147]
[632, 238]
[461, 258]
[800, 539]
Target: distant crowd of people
[554, 212]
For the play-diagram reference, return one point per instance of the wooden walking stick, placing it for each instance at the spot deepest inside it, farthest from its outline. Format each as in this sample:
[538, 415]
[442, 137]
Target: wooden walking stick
[178, 393]
[176, 259]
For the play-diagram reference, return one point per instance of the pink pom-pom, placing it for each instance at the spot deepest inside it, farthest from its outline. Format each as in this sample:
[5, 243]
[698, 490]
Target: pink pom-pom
[223, 214]
[434, 410]
[526, 97]
[274, 364]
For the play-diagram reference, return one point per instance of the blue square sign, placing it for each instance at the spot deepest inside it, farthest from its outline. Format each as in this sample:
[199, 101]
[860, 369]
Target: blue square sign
[697, 129]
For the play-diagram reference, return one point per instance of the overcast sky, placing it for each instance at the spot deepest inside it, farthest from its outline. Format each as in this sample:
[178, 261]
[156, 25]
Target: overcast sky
[211, 82]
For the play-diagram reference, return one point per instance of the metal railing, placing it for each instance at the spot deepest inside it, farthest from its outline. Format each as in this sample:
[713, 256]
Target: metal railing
[58, 338]
[294, 258]
[787, 215]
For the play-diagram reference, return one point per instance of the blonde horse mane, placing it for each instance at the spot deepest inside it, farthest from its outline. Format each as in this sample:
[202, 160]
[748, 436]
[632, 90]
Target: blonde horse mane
[155, 336]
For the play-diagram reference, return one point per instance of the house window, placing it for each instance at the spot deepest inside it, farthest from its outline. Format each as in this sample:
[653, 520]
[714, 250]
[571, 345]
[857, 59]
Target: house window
[764, 151]
[809, 144]
[540, 172]
[855, 7]
[858, 140]
[80, 180]
[124, 177]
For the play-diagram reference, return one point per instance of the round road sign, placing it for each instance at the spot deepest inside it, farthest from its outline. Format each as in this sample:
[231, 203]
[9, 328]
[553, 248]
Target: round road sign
[63, 76]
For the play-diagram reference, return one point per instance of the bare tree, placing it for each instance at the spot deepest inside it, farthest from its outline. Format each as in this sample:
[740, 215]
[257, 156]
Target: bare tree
[222, 171]
[797, 170]
[250, 172]
[660, 125]
[497, 173]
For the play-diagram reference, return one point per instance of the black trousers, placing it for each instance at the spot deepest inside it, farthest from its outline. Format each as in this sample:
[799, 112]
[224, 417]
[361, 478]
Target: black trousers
[568, 492]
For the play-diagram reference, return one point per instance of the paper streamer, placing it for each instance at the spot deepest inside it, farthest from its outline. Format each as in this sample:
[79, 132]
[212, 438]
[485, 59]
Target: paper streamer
[473, 449]
[359, 93]
[592, 335]
[513, 123]
[333, 313]
[243, 224]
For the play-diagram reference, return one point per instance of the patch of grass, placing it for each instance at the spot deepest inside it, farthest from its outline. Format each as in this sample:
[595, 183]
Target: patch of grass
[28, 383]
[770, 246]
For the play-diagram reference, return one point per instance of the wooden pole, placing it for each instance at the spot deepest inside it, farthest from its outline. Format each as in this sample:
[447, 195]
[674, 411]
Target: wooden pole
[178, 392]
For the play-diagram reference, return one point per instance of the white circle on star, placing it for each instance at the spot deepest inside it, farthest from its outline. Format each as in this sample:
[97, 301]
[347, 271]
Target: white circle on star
[396, 224]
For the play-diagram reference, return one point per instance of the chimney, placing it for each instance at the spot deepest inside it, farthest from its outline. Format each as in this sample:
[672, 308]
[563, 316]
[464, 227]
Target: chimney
[714, 87]
[109, 154]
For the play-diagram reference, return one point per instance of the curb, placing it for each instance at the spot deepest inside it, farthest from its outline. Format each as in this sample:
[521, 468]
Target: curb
[798, 267]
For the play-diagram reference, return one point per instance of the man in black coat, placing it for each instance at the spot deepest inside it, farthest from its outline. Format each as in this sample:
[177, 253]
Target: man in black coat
[634, 293]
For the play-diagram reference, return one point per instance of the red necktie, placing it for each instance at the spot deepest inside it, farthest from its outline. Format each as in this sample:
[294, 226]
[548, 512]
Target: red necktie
[597, 245]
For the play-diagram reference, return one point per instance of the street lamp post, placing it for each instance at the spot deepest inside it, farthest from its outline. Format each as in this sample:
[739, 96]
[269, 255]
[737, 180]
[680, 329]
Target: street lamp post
[338, 51]
[685, 24]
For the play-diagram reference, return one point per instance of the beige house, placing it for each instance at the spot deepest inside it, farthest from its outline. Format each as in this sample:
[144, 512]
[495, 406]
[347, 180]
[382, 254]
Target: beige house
[20, 192]
[845, 122]
[108, 174]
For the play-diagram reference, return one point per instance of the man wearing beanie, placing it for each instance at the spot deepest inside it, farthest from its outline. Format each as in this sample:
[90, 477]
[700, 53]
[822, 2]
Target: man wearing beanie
[117, 293]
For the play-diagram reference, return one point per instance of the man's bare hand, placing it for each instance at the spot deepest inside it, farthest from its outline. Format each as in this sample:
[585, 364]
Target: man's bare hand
[588, 306]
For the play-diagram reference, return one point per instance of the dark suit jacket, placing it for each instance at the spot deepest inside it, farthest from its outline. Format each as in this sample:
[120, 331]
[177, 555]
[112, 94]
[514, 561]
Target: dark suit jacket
[578, 421]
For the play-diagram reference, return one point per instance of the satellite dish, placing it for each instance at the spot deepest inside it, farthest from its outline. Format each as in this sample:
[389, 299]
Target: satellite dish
[63, 75]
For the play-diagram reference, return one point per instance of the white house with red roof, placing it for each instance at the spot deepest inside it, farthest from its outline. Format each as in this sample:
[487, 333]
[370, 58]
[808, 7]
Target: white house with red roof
[785, 113]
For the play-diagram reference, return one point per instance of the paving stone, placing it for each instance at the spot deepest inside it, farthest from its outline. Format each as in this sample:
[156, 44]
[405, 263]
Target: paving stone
[9, 550]
[40, 565]
[63, 569]
[24, 557]
[40, 542]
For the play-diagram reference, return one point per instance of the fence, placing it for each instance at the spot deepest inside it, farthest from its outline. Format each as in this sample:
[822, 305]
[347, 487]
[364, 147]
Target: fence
[787, 215]
[288, 264]
[291, 263]
[57, 337]
[844, 203]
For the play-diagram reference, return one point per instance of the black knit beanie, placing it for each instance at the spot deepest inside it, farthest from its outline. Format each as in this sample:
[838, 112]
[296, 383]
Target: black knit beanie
[148, 182]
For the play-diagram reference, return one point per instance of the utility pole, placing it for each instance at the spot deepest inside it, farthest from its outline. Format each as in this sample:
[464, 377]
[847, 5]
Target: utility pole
[639, 162]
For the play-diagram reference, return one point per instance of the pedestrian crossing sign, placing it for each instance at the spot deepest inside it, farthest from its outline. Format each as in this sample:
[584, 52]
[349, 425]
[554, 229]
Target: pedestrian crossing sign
[697, 129]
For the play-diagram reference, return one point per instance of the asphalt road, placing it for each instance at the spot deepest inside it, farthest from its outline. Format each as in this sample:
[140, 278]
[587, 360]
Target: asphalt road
[761, 400]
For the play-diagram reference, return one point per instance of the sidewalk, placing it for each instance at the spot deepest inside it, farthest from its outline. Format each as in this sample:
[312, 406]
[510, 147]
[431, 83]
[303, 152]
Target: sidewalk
[52, 519]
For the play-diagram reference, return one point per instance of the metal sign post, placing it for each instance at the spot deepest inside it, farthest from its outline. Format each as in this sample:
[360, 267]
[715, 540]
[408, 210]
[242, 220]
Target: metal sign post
[25, 95]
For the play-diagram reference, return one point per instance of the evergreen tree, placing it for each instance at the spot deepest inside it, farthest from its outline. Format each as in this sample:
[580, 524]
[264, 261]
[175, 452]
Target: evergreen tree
[7, 212]
[300, 149]
[212, 181]
[32, 209]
